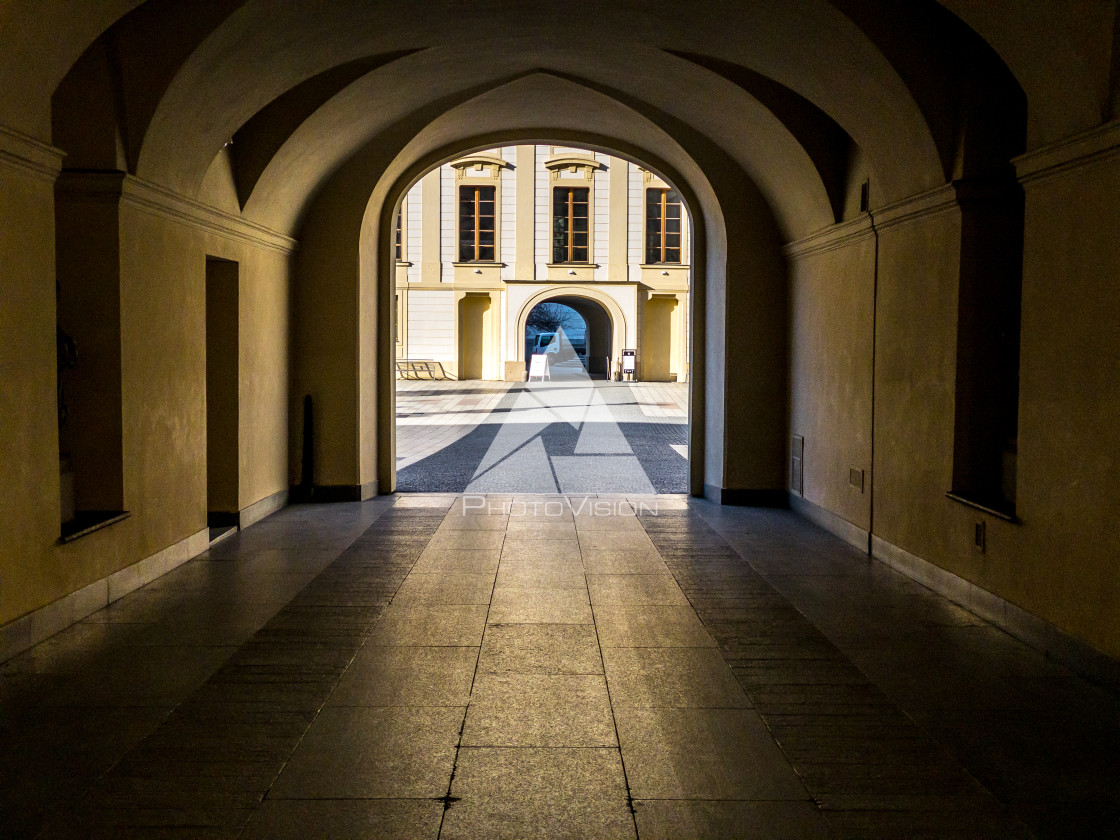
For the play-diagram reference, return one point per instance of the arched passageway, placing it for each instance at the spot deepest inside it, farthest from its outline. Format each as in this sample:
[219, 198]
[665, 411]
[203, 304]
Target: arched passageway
[596, 331]
[893, 272]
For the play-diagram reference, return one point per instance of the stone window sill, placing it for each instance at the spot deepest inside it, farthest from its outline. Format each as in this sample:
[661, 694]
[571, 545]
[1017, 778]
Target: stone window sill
[87, 521]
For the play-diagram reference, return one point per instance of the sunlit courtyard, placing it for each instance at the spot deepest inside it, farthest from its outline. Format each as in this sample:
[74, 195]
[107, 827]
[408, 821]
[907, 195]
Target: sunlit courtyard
[567, 434]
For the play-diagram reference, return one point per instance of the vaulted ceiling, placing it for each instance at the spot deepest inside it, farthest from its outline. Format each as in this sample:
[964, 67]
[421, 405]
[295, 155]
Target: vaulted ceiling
[807, 97]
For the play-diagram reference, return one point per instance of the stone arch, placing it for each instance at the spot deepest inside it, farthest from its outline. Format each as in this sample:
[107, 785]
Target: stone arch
[711, 254]
[570, 295]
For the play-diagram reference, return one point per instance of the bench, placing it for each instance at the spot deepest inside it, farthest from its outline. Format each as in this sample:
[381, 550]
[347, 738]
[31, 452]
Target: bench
[420, 369]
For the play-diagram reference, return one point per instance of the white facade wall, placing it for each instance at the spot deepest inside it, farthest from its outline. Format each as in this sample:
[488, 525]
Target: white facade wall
[542, 208]
[414, 230]
[507, 219]
[431, 325]
[430, 312]
[635, 222]
[448, 224]
[600, 225]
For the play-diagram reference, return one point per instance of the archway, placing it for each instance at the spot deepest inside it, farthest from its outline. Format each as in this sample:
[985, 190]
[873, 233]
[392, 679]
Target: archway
[604, 319]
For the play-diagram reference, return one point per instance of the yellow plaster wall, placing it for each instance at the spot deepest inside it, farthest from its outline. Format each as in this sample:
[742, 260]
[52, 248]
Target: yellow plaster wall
[29, 504]
[1066, 555]
[263, 359]
[915, 373]
[324, 350]
[1060, 561]
[163, 378]
[660, 340]
[163, 373]
[831, 303]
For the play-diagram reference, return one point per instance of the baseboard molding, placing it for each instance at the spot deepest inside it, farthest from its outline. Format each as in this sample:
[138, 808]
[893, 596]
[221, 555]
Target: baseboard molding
[831, 522]
[1018, 622]
[43, 623]
[249, 515]
[746, 497]
[259, 510]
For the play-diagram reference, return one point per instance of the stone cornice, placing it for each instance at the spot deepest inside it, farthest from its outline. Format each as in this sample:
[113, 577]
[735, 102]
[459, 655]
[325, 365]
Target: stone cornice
[917, 207]
[830, 238]
[19, 151]
[1096, 145]
[78, 186]
[164, 202]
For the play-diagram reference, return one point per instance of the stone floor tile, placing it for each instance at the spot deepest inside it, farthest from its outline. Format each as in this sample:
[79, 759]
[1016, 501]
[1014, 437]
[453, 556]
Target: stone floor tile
[473, 561]
[668, 819]
[463, 538]
[540, 649]
[703, 754]
[609, 561]
[540, 606]
[650, 626]
[428, 625]
[407, 676]
[539, 710]
[538, 793]
[455, 521]
[521, 549]
[163, 676]
[329, 819]
[547, 528]
[696, 677]
[632, 590]
[445, 588]
[611, 532]
[540, 574]
[373, 753]
[430, 501]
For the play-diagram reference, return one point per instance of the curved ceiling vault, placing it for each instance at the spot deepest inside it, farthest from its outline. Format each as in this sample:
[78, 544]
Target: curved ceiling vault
[796, 94]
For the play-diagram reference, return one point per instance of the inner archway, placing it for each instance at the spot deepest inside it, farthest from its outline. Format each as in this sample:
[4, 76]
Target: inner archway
[597, 328]
[487, 243]
[559, 331]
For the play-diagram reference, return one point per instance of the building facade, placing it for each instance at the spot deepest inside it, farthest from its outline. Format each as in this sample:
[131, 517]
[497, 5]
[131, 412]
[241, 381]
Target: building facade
[483, 239]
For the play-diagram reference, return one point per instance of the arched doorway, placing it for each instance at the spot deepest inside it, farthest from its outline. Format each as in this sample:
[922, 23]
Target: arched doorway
[588, 329]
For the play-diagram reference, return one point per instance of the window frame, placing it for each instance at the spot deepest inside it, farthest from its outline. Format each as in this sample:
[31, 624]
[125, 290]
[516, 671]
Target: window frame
[569, 246]
[475, 226]
[658, 251]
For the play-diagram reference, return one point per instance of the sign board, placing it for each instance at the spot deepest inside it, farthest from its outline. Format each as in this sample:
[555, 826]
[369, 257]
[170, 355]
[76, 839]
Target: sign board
[538, 366]
[629, 361]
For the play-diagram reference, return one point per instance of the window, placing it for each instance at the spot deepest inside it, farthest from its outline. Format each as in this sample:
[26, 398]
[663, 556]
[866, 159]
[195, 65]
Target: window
[476, 224]
[570, 224]
[398, 235]
[663, 226]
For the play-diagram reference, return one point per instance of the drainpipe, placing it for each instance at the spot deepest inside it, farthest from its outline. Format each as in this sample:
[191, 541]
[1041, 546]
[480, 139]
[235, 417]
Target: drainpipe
[865, 200]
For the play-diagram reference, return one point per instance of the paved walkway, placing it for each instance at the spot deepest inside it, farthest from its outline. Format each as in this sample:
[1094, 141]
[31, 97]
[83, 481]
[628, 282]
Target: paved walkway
[438, 666]
[567, 435]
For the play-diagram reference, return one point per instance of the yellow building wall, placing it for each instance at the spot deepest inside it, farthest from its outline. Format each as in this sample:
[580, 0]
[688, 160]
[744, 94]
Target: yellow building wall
[163, 387]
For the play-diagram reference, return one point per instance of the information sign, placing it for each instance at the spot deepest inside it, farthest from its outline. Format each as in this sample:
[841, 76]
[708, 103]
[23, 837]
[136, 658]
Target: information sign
[538, 366]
